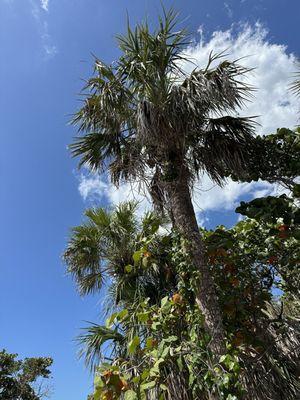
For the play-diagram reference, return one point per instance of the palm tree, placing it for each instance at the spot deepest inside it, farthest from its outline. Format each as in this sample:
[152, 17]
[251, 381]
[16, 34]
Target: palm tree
[102, 248]
[144, 119]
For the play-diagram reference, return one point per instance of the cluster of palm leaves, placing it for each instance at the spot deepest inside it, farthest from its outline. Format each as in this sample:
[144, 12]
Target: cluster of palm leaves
[103, 247]
[143, 114]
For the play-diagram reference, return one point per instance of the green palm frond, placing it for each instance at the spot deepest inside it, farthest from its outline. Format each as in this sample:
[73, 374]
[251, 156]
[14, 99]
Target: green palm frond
[218, 89]
[124, 290]
[295, 86]
[150, 60]
[124, 219]
[103, 246]
[93, 149]
[83, 258]
[226, 146]
[92, 340]
[100, 217]
[105, 117]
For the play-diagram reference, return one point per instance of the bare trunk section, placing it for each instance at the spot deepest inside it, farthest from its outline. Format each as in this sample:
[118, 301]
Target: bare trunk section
[185, 220]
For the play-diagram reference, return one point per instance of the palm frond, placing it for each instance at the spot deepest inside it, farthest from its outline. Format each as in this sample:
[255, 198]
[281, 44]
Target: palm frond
[105, 118]
[216, 90]
[124, 218]
[93, 149]
[225, 147]
[100, 217]
[150, 60]
[102, 246]
[83, 258]
[295, 86]
[92, 340]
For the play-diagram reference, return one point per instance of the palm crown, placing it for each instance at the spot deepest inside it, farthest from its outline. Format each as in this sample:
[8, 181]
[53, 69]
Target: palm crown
[143, 114]
[102, 247]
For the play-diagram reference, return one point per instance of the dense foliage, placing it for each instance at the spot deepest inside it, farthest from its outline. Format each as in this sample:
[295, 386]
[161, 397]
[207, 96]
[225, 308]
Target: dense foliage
[158, 347]
[23, 379]
[280, 155]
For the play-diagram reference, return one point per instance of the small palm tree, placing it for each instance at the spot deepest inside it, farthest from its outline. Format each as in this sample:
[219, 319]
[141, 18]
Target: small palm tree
[101, 246]
[102, 249]
[145, 120]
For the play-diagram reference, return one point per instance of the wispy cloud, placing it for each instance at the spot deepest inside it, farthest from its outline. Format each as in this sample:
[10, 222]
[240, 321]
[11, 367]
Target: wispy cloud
[228, 9]
[37, 8]
[95, 188]
[50, 50]
[273, 103]
[45, 4]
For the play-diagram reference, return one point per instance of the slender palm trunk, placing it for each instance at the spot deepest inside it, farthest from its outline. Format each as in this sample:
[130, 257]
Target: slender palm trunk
[185, 220]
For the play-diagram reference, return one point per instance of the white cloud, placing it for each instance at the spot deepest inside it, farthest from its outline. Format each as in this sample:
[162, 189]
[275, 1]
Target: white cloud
[50, 50]
[202, 219]
[45, 5]
[210, 197]
[273, 103]
[274, 68]
[92, 186]
[95, 188]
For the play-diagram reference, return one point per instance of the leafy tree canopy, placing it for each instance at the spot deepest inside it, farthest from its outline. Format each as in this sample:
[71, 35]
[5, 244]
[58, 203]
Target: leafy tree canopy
[20, 379]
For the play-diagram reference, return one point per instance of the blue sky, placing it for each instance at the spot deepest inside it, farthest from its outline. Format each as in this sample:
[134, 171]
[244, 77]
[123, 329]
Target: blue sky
[45, 52]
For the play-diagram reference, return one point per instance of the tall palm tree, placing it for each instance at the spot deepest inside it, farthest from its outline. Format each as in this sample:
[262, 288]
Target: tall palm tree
[144, 119]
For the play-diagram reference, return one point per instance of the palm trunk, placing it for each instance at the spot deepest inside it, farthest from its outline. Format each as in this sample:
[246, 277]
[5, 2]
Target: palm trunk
[185, 220]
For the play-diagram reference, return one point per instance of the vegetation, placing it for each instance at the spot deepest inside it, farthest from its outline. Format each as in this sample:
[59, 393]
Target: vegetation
[23, 379]
[158, 347]
[144, 119]
[192, 313]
